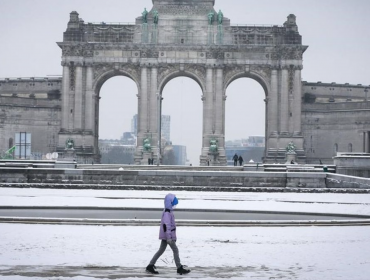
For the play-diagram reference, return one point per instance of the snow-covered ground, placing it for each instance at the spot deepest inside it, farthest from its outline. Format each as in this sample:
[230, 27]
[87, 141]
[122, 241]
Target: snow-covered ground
[115, 252]
[294, 202]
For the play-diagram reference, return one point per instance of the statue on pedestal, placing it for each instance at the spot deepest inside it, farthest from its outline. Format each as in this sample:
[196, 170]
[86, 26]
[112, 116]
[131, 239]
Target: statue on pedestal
[213, 148]
[220, 17]
[146, 144]
[290, 153]
[155, 17]
[290, 149]
[145, 16]
[210, 17]
[70, 144]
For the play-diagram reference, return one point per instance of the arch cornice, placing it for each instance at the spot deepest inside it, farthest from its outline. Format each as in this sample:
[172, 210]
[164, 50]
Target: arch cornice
[196, 72]
[104, 71]
[259, 73]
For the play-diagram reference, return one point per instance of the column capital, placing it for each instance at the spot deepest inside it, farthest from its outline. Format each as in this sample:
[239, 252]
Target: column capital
[89, 64]
[78, 63]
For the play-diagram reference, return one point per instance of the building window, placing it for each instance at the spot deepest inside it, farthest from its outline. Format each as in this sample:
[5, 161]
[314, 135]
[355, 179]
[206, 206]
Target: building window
[350, 147]
[11, 142]
[335, 149]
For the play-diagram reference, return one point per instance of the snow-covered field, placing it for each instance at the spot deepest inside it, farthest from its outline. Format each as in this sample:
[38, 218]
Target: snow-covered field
[295, 202]
[114, 252]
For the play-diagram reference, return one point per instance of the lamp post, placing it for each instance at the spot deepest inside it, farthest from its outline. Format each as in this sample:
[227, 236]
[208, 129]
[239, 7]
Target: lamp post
[159, 113]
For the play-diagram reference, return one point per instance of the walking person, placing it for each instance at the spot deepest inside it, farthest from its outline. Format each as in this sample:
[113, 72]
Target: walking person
[167, 235]
[235, 158]
[240, 160]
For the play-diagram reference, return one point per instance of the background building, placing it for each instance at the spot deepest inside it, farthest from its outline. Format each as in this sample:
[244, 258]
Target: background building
[116, 152]
[252, 148]
[180, 154]
[165, 127]
[335, 118]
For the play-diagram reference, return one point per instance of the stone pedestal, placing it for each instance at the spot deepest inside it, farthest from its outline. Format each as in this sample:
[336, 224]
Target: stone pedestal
[213, 159]
[69, 155]
[146, 157]
[291, 157]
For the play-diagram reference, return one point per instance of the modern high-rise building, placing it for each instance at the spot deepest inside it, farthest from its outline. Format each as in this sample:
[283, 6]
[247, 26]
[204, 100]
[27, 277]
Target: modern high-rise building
[165, 127]
[134, 125]
[180, 154]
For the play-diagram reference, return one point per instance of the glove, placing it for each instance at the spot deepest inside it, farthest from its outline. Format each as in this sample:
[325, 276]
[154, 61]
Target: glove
[170, 241]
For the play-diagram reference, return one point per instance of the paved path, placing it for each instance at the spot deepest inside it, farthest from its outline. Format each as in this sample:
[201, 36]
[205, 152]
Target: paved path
[116, 272]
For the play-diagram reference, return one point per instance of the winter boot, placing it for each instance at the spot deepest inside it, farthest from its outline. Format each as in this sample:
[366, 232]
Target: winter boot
[151, 269]
[182, 270]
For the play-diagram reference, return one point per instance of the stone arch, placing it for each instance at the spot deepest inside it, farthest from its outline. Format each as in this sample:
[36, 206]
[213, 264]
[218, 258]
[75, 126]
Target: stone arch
[194, 72]
[110, 73]
[252, 75]
[260, 78]
[178, 73]
[97, 84]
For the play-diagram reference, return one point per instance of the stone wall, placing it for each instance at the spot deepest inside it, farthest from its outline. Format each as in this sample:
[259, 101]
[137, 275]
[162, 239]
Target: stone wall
[199, 180]
[343, 181]
[353, 164]
[334, 117]
[30, 105]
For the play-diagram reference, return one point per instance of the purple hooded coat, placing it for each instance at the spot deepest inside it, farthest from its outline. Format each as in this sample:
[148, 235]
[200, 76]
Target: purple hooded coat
[168, 225]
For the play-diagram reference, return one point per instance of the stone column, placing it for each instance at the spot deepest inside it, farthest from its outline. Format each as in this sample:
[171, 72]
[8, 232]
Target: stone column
[153, 98]
[284, 102]
[219, 103]
[90, 100]
[297, 105]
[155, 112]
[366, 142]
[143, 114]
[78, 109]
[65, 97]
[272, 104]
[208, 105]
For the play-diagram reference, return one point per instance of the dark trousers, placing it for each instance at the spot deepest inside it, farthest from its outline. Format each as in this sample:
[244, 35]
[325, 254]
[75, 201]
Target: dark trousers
[161, 250]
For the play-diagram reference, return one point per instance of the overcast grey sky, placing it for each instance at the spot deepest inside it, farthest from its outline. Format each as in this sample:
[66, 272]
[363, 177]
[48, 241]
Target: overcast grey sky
[336, 31]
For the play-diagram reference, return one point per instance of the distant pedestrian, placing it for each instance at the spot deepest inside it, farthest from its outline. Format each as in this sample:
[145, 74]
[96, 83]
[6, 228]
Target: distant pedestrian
[240, 159]
[167, 234]
[235, 159]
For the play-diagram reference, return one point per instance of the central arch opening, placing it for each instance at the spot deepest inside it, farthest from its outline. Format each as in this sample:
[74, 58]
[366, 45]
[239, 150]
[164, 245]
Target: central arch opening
[117, 111]
[182, 105]
[245, 121]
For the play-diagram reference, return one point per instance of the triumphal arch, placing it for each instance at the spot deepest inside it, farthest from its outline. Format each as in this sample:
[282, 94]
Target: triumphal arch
[181, 38]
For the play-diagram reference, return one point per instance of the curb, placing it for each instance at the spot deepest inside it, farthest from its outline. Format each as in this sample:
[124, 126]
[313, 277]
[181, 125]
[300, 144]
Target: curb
[189, 223]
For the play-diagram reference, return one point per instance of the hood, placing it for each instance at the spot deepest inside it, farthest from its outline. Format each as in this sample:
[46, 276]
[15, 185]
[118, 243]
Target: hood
[168, 201]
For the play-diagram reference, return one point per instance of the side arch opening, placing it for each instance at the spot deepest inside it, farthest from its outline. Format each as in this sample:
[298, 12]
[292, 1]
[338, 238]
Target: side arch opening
[116, 119]
[182, 107]
[245, 121]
